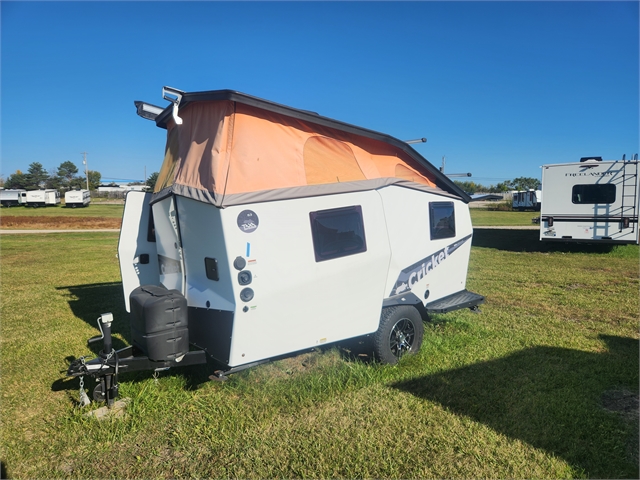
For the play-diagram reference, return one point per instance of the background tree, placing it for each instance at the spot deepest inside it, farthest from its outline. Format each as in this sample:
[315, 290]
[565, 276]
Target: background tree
[67, 171]
[36, 176]
[151, 180]
[16, 180]
[94, 180]
[526, 183]
[54, 181]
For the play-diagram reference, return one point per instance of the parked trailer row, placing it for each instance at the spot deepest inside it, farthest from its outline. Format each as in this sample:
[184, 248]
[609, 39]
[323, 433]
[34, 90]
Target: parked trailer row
[12, 197]
[41, 198]
[77, 198]
[44, 198]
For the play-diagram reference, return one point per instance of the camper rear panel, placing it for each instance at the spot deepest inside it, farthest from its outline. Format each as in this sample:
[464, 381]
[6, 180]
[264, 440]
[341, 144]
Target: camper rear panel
[590, 201]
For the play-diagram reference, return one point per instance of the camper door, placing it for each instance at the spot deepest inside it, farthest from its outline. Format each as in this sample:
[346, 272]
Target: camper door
[137, 245]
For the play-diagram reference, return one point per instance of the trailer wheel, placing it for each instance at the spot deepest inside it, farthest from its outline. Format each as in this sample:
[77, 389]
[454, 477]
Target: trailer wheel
[400, 333]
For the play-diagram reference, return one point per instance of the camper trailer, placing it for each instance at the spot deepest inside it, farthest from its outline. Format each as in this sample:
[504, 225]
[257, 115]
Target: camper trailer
[272, 231]
[42, 198]
[77, 198]
[527, 200]
[12, 197]
[591, 201]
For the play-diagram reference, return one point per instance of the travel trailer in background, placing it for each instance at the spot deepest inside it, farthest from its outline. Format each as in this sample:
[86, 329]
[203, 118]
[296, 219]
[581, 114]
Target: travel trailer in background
[42, 198]
[591, 201]
[12, 197]
[527, 200]
[77, 198]
[272, 231]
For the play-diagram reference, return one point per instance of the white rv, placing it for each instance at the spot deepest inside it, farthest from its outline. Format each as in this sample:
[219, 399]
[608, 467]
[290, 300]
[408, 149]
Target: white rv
[274, 230]
[12, 197]
[42, 198]
[591, 201]
[77, 198]
[527, 200]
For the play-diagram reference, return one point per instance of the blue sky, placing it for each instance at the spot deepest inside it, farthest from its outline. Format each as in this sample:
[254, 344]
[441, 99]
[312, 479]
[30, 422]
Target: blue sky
[499, 88]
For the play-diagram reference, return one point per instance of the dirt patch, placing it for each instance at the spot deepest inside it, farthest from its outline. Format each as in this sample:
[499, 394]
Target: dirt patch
[625, 404]
[45, 222]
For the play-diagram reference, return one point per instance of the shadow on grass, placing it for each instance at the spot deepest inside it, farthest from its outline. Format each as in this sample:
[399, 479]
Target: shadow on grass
[88, 302]
[529, 241]
[551, 398]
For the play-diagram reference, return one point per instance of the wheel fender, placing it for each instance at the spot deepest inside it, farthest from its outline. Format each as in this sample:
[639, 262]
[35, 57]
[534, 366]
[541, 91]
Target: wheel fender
[409, 298]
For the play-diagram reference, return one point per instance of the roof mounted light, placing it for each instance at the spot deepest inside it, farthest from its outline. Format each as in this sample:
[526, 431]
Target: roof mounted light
[174, 96]
[417, 140]
[147, 111]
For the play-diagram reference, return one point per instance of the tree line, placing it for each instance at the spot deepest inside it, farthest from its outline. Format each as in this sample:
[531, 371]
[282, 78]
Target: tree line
[65, 177]
[520, 183]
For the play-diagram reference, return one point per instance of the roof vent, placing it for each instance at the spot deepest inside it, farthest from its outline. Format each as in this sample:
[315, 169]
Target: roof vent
[593, 159]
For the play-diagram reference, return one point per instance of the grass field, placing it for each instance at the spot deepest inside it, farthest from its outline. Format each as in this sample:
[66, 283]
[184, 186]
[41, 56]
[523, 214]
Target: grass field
[49, 217]
[488, 218]
[542, 384]
[93, 216]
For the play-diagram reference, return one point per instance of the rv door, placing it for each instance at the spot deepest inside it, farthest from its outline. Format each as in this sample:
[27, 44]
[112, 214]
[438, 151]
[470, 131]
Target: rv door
[137, 250]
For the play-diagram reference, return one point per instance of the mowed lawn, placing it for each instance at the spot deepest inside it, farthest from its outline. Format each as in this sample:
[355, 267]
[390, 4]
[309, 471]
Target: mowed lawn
[542, 384]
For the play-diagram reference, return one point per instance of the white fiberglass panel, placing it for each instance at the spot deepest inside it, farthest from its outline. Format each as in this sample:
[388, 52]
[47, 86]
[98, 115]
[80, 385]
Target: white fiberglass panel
[203, 238]
[296, 302]
[136, 252]
[429, 268]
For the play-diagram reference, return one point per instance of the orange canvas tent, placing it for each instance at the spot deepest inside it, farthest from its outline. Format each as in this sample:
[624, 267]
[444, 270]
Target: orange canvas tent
[231, 148]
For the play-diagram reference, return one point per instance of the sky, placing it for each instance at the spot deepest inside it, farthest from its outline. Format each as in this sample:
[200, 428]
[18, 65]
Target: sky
[497, 88]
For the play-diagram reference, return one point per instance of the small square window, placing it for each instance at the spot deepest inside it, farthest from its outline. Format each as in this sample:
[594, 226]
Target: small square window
[443, 220]
[337, 232]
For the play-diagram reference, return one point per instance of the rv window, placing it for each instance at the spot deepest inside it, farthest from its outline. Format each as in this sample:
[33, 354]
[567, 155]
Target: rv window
[151, 228]
[338, 232]
[605, 193]
[443, 220]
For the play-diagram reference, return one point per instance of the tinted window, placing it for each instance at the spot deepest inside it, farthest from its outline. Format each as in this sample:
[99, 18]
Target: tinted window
[594, 193]
[338, 232]
[443, 220]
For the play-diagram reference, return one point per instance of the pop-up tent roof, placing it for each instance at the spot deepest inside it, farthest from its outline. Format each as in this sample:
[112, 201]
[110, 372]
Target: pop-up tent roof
[232, 148]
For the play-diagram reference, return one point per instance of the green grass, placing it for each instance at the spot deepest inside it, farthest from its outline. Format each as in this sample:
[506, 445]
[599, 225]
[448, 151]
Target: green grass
[93, 210]
[487, 218]
[517, 391]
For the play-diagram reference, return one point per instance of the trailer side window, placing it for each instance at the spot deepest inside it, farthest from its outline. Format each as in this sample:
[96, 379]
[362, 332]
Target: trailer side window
[443, 220]
[337, 232]
[605, 193]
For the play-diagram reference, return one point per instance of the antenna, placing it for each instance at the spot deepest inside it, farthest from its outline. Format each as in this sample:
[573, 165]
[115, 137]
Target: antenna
[452, 174]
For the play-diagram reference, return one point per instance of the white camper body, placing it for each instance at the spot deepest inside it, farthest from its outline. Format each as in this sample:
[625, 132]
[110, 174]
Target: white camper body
[77, 198]
[12, 197]
[273, 230]
[42, 198]
[591, 202]
[286, 231]
[258, 292]
[527, 200]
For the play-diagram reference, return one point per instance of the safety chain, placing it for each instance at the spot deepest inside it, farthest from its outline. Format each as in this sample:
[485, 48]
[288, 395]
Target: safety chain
[84, 398]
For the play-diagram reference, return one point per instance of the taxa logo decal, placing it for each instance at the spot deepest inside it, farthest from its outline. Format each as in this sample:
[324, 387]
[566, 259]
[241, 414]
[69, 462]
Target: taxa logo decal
[416, 272]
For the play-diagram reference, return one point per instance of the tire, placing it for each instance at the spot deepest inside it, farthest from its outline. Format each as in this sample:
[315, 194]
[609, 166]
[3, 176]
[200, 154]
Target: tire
[400, 333]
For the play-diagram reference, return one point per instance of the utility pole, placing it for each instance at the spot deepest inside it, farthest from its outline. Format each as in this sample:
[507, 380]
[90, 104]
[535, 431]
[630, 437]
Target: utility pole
[86, 167]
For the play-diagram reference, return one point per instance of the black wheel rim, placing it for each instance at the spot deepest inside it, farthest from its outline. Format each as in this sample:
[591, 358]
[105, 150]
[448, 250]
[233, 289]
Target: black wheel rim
[402, 336]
